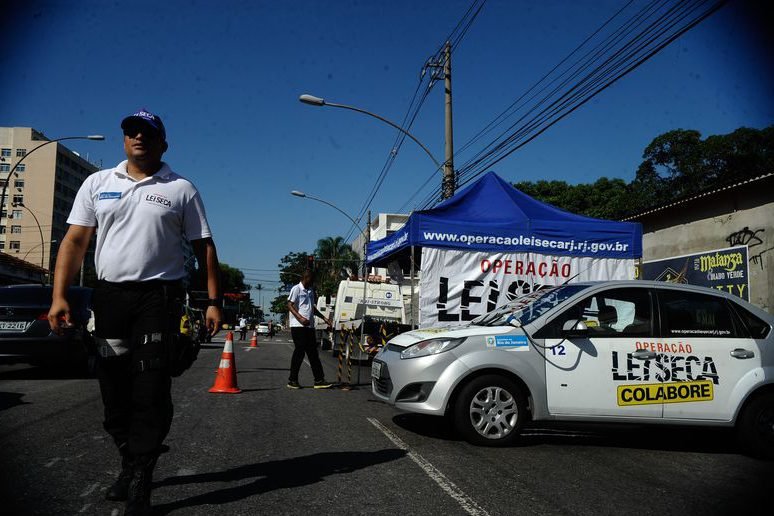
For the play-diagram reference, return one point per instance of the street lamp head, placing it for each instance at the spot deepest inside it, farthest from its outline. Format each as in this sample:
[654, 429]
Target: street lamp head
[95, 137]
[297, 193]
[311, 100]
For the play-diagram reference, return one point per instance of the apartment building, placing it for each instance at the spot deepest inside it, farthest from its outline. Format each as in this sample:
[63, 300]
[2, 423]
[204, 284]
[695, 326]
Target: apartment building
[39, 194]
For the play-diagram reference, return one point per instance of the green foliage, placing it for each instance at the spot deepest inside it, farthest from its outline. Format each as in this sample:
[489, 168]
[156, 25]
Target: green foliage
[279, 305]
[231, 279]
[292, 266]
[332, 259]
[675, 164]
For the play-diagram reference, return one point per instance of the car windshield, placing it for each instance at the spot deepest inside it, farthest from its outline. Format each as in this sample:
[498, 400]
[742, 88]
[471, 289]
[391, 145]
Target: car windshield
[528, 307]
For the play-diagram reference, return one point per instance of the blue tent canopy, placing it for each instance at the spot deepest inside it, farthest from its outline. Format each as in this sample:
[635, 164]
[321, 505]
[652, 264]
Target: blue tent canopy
[491, 215]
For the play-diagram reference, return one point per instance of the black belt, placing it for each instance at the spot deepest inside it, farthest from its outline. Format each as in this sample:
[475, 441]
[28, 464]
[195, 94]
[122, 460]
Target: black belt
[141, 285]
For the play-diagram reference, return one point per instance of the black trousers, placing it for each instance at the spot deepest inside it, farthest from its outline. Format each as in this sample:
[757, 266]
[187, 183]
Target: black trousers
[136, 386]
[305, 344]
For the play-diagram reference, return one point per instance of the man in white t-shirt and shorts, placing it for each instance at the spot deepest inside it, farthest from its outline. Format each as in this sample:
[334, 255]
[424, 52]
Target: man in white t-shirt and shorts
[142, 212]
[301, 305]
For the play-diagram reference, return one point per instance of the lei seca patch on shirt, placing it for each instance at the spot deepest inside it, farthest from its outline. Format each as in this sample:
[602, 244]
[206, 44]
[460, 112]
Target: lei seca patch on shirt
[157, 200]
[109, 195]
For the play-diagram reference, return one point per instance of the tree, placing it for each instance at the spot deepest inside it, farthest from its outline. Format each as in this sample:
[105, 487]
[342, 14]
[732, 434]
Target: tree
[333, 256]
[279, 305]
[292, 266]
[675, 164]
[231, 279]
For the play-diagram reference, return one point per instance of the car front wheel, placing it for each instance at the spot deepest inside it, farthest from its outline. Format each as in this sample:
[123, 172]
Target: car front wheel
[756, 426]
[490, 411]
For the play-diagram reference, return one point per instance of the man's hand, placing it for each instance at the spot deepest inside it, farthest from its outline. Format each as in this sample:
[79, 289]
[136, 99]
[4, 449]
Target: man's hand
[59, 307]
[213, 320]
[303, 320]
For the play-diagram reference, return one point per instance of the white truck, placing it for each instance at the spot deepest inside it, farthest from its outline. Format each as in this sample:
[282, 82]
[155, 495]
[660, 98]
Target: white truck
[383, 313]
[325, 305]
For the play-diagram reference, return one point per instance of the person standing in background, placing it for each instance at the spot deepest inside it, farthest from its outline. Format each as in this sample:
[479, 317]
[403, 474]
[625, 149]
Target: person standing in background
[301, 305]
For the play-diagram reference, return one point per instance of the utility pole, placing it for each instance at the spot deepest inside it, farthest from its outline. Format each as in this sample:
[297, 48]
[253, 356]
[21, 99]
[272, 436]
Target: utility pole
[448, 183]
[449, 180]
[366, 239]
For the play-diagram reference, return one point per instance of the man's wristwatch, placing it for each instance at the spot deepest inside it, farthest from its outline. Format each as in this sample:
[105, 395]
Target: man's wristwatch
[218, 301]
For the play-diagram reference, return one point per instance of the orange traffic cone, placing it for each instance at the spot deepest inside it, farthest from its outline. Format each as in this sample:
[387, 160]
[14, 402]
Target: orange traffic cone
[225, 379]
[254, 340]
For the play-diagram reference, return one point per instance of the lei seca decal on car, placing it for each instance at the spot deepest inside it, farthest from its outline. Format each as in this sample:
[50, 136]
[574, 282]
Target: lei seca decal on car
[664, 368]
[652, 393]
[515, 342]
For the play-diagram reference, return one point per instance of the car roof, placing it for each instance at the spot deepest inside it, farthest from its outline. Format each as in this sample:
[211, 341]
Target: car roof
[673, 286]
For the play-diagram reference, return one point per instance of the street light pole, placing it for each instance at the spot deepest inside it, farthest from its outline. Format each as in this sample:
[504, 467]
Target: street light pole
[54, 241]
[40, 230]
[97, 137]
[448, 165]
[365, 250]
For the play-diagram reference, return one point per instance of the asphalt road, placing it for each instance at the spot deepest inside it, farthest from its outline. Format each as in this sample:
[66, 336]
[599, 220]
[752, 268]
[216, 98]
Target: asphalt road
[270, 450]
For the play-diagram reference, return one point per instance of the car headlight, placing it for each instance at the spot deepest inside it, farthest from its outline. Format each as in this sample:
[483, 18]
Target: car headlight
[430, 347]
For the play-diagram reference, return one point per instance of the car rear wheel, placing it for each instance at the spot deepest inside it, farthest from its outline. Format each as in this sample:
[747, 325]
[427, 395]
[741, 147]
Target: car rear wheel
[756, 426]
[490, 411]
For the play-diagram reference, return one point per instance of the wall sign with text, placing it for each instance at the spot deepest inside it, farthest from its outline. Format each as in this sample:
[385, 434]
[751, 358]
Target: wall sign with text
[722, 269]
[458, 286]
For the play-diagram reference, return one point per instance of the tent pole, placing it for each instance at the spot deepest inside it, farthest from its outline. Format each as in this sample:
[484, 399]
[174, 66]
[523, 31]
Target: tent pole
[412, 288]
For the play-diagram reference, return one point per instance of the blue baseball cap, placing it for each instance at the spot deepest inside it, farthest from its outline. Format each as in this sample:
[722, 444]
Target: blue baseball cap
[145, 116]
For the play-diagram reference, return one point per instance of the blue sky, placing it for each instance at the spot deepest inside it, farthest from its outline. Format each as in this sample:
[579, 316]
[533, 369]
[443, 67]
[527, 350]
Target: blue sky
[225, 77]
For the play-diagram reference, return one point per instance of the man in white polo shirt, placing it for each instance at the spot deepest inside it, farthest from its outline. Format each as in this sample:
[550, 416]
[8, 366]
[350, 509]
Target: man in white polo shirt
[301, 305]
[142, 212]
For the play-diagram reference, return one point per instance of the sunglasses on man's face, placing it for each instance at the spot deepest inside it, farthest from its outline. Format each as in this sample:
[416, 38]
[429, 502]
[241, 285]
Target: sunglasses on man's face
[147, 131]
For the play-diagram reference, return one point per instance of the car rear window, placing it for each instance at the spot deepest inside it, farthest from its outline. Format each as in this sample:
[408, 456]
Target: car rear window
[39, 295]
[25, 296]
[686, 314]
[758, 329]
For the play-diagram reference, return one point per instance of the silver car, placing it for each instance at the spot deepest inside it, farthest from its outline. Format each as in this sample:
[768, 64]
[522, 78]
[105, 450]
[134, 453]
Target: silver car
[619, 351]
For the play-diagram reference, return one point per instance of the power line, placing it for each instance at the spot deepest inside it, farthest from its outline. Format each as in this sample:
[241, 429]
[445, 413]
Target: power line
[610, 61]
[455, 38]
[610, 72]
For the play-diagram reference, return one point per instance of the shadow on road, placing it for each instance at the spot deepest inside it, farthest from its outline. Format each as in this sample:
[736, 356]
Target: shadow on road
[435, 427]
[280, 474]
[11, 399]
[52, 372]
[641, 437]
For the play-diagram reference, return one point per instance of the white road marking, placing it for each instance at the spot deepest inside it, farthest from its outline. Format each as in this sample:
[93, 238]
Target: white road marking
[114, 512]
[89, 490]
[185, 472]
[84, 508]
[466, 502]
[52, 462]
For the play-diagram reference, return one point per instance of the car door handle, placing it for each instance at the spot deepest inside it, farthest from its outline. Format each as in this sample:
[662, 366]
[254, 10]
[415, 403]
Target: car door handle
[742, 353]
[643, 354]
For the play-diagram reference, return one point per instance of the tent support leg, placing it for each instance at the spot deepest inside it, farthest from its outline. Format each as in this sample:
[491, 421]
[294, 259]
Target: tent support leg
[412, 289]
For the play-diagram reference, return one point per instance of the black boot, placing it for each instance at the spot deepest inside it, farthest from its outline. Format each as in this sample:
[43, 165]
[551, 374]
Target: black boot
[138, 501]
[120, 488]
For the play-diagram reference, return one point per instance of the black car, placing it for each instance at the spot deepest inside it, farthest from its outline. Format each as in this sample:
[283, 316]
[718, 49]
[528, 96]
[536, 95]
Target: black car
[25, 335]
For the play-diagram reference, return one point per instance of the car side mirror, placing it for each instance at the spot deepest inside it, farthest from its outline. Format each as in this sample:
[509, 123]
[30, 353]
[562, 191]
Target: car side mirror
[574, 328]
